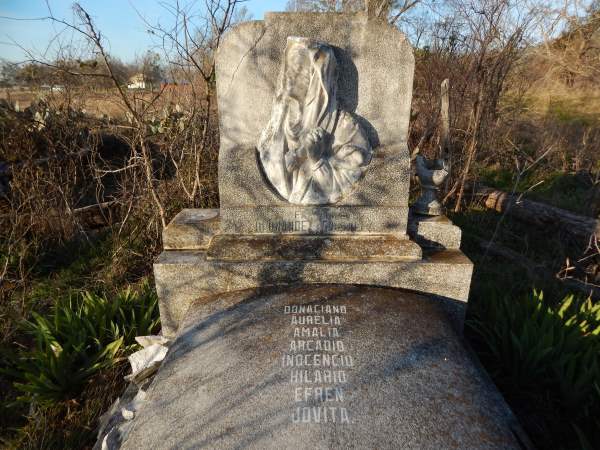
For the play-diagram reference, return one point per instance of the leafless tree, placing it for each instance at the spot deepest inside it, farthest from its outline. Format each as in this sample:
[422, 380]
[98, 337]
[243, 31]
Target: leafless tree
[171, 136]
[391, 10]
[475, 44]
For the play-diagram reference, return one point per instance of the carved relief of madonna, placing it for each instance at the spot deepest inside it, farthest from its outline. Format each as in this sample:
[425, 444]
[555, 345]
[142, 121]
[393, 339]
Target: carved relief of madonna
[311, 151]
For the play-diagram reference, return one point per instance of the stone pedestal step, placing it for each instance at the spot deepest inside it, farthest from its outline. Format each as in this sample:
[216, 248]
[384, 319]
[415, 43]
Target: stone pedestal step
[230, 247]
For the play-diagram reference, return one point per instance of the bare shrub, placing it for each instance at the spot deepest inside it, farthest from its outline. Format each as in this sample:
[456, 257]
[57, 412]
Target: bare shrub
[59, 166]
[47, 150]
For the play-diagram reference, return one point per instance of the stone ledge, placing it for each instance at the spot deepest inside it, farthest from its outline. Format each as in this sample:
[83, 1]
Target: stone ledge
[182, 276]
[191, 229]
[434, 231]
[230, 247]
[315, 220]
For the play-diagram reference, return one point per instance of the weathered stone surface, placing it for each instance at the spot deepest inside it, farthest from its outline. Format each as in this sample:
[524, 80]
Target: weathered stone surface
[235, 247]
[376, 72]
[116, 422]
[434, 232]
[185, 275]
[312, 150]
[191, 229]
[355, 219]
[396, 376]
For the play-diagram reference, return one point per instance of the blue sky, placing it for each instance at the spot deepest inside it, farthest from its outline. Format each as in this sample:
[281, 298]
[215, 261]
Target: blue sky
[117, 19]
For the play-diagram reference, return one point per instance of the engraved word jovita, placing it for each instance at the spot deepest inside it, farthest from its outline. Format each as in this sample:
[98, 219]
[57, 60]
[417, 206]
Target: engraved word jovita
[311, 151]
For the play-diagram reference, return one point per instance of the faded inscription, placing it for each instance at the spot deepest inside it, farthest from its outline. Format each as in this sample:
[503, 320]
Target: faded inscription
[299, 223]
[318, 363]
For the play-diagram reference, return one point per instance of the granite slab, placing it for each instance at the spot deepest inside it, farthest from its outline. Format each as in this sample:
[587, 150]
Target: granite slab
[321, 367]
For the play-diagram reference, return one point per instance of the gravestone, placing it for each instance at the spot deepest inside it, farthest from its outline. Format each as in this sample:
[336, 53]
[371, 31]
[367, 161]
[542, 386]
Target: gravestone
[321, 367]
[314, 309]
[314, 170]
[374, 66]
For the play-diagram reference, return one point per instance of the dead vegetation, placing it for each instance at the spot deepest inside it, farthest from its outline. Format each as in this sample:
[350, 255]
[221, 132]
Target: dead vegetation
[99, 172]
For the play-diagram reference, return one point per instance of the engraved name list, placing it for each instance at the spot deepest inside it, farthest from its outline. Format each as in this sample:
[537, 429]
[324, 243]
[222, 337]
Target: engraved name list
[318, 361]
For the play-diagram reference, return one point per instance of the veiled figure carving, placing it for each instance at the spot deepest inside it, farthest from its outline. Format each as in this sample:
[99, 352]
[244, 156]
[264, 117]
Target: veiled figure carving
[311, 151]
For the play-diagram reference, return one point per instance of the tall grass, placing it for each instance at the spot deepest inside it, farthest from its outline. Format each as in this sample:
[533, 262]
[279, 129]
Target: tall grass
[79, 337]
[548, 357]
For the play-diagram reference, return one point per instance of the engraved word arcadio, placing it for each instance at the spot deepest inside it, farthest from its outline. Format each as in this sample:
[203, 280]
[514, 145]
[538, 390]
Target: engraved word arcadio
[311, 150]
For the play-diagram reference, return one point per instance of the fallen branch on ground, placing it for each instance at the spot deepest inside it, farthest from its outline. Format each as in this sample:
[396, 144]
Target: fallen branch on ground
[536, 213]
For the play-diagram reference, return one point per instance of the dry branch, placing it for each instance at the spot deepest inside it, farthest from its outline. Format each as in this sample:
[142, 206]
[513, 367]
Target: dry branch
[7, 168]
[534, 268]
[100, 214]
[536, 213]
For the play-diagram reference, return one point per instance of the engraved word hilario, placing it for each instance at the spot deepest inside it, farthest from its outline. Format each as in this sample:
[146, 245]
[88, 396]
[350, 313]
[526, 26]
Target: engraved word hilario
[311, 150]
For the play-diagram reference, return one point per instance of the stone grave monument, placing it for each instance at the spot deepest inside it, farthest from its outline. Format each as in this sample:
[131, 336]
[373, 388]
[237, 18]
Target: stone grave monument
[314, 170]
[313, 309]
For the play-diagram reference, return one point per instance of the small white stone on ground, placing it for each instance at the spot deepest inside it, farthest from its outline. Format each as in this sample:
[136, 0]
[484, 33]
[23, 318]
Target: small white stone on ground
[129, 410]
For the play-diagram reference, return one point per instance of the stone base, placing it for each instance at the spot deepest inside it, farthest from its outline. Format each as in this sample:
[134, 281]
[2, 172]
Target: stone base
[184, 275]
[285, 247]
[433, 232]
[191, 229]
[363, 368]
[198, 261]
